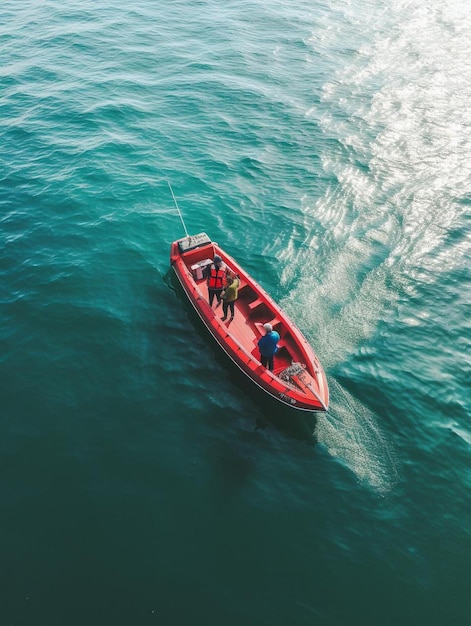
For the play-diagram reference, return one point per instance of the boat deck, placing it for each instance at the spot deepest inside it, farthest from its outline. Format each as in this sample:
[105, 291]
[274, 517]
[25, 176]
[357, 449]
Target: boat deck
[250, 313]
[299, 380]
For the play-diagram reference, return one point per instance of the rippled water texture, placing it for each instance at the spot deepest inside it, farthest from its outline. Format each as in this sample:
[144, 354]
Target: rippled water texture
[327, 147]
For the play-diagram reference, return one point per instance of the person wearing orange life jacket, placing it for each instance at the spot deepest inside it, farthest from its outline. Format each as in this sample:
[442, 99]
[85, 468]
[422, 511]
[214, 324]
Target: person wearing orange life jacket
[216, 279]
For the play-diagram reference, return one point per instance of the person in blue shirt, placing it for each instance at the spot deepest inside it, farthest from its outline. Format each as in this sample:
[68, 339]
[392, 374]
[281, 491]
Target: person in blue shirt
[268, 346]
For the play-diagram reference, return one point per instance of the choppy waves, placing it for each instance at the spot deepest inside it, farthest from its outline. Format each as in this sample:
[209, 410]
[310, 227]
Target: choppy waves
[327, 147]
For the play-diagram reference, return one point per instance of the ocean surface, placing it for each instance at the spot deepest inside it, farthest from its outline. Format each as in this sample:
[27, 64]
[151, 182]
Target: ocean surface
[327, 147]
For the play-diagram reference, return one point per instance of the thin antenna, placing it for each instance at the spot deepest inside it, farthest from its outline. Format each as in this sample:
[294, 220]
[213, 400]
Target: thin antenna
[178, 209]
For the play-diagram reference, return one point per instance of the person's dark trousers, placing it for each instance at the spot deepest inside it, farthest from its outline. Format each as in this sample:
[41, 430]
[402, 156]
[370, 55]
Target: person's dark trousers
[267, 361]
[212, 293]
[228, 305]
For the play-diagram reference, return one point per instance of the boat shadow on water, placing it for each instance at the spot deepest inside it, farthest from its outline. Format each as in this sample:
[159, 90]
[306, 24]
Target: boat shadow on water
[298, 424]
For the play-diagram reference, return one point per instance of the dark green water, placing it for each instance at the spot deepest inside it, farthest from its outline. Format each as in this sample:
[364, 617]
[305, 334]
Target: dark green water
[327, 148]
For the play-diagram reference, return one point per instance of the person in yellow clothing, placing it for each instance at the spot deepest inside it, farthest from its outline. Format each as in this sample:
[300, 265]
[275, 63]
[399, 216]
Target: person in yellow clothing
[229, 295]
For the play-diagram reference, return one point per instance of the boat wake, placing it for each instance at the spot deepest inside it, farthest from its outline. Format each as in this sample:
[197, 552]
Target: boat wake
[341, 314]
[349, 432]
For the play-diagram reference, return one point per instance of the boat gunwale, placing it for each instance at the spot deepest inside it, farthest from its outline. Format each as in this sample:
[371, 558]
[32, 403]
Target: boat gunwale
[275, 387]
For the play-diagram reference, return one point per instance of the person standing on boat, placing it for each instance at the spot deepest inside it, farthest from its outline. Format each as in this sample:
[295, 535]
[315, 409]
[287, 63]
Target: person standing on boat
[216, 277]
[268, 346]
[229, 295]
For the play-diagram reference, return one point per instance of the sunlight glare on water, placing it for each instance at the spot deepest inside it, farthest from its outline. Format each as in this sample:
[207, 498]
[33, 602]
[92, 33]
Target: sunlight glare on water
[379, 235]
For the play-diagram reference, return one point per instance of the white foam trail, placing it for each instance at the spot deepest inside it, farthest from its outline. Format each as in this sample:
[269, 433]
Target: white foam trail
[351, 433]
[339, 315]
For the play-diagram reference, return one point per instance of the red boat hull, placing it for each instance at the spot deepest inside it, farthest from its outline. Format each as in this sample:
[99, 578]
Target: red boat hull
[298, 380]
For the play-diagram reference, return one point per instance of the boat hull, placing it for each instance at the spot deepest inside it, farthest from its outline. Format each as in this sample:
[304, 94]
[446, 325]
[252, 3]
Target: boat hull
[298, 382]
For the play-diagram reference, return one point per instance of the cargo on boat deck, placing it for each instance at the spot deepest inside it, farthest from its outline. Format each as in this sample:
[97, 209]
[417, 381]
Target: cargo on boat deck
[198, 268]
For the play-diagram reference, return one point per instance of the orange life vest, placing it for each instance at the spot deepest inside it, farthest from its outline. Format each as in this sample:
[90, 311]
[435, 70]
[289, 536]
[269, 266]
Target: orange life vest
[216, 278]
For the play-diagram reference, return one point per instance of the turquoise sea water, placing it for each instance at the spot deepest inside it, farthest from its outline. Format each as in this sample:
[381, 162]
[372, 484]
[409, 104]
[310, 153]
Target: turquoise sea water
[326, 146]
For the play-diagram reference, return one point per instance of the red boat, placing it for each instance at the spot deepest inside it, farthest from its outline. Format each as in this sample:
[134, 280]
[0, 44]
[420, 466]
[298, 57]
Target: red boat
[298, 380]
